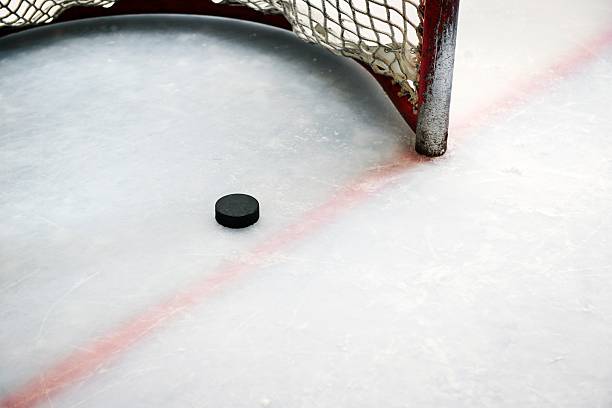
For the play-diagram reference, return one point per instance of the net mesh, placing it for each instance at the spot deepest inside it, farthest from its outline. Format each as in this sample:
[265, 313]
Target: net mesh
[385, 34]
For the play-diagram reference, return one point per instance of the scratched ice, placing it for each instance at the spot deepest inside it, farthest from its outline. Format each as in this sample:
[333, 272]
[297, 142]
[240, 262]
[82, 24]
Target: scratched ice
[372, 278]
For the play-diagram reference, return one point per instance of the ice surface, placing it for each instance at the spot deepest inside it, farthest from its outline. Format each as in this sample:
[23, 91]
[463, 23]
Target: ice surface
[480, 279]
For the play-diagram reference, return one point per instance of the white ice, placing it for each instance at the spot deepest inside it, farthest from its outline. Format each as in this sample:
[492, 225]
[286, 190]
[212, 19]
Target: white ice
[481, 279]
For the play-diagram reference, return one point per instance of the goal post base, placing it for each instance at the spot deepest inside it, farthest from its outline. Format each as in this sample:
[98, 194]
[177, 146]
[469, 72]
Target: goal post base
[430, 145]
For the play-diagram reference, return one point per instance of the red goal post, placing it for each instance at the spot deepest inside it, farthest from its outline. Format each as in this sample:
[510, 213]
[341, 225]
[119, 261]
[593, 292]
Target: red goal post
[407, 45]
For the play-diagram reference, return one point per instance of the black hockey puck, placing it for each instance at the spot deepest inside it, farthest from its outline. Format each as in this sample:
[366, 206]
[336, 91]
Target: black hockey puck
[237, 211]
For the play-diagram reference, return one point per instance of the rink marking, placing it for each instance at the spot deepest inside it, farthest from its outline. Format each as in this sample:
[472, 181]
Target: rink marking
[93, 357]
[522, 91]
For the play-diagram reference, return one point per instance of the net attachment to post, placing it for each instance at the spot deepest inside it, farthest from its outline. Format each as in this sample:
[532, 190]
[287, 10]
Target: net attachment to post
[407, 44]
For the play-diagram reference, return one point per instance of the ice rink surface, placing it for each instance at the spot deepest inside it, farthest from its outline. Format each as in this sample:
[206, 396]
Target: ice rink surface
[374, 278]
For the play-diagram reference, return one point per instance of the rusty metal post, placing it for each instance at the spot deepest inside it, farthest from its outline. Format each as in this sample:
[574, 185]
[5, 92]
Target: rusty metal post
[436, 75]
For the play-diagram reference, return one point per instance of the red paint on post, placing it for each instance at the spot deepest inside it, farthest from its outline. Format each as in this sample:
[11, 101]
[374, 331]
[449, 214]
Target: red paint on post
[438, 15]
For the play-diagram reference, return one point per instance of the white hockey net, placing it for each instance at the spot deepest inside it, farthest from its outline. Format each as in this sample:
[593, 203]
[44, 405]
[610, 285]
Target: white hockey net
[385, 34]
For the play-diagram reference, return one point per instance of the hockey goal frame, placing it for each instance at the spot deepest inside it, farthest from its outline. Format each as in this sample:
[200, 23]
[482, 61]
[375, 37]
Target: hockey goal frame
[428, 116]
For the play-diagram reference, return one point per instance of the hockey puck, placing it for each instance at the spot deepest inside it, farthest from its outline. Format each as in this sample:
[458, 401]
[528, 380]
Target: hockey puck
[237, 211]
